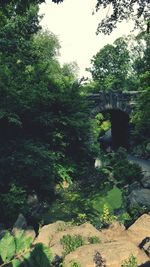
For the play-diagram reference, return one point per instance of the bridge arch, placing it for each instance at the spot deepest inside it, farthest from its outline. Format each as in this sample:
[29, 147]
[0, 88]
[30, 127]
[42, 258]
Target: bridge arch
[120, 107]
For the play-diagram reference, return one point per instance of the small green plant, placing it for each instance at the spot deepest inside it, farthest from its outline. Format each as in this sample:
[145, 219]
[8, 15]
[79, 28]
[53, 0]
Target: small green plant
[70, 243]
[94, 240]
[131, 262]
[18, 249]
[75, 264]
[81, 218]
[61, 227]
[107, 218]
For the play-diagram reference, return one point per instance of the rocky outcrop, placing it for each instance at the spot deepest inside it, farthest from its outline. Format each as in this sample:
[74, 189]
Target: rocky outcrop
[51, 234]
[111, 247]
[146, 182]
[113, 254]
[116, 243]
[139, 197]
[140, 230]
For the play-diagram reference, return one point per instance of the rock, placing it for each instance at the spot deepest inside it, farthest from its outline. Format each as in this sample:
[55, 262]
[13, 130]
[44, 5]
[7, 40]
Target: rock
[32, 200]
[116, 243]
[148, 148]
[146, 182]
[140, 229]
[114, 232]
[20, 224]
[134, 185]
[51, 234]
[140, 197]
[112, 253]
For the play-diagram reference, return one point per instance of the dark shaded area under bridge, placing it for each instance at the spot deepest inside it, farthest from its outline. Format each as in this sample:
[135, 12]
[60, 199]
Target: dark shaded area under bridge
[118, 136]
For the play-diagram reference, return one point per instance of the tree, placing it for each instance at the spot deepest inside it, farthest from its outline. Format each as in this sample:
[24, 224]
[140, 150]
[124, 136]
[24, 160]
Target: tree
[136, 10]
[141, 115]
[43, 117]
[111, 66]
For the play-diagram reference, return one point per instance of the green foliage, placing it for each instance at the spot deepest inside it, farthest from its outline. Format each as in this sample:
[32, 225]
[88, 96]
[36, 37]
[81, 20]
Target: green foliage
[94, 240]
[122, 11]
[107, 218]
[124, 171]
[70, 243]
[111, 198]
[110, 66]
[13, 202]
[75, 264]
[131, 262]
[18, 250]
[7, 247]
[136, 211]
[43, 116]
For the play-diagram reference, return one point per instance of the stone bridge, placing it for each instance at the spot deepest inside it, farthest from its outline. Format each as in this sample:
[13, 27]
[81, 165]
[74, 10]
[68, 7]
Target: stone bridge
[120, 107]
[104, 101]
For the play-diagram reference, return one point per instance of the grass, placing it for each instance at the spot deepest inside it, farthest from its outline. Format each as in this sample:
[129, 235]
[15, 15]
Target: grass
[113, 199]
[71, 205]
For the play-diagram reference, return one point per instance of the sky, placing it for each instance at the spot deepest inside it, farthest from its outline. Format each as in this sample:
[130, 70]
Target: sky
[75, 26]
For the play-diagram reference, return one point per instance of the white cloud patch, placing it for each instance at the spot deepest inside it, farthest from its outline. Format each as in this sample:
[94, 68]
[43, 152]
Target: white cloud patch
[72, 21]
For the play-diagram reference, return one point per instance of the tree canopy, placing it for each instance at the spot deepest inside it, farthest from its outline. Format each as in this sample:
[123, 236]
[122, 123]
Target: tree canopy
[136, 10]
[43, 116]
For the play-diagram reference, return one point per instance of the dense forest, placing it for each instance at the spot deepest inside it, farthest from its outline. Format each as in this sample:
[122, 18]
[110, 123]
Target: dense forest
[49, 141]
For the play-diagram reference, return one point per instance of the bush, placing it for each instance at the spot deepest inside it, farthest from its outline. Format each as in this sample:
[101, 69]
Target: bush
[12, 203]
[70, 243]
[94, 240]
[131, 262]
[126, 172]
[107, 218]
[75, 264]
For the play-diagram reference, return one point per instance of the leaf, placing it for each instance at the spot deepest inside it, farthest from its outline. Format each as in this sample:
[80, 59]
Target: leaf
[16, 263]
[22, 241]
[40, 256]
[7, 247]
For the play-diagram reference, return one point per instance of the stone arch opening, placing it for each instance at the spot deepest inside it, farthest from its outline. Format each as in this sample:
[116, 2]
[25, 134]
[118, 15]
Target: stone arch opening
[118, 136]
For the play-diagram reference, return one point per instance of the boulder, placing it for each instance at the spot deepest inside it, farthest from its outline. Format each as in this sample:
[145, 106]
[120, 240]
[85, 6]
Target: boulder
[112, 254]
[146, 182]
[138, 231]
[114, 232]
[116, 243]
[51, 234]
[148, 148]
[140, 197]
[21, 224]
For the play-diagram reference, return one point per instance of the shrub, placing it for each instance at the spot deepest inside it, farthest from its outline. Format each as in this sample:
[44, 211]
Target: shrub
[70, 243]
[107, 218]
[126, 172]
[94, 240]
[131, 262]
[17, 250]
[13, 202]
[75, 264]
